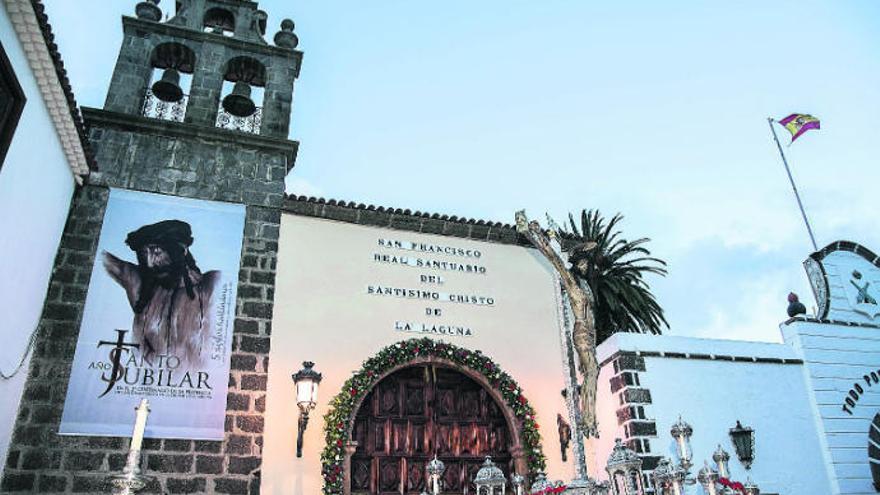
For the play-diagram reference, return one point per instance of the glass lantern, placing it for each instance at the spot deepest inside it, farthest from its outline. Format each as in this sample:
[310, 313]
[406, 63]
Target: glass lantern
[306, 382]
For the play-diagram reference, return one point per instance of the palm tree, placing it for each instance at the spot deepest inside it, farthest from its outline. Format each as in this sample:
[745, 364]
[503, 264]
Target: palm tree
[614, 271]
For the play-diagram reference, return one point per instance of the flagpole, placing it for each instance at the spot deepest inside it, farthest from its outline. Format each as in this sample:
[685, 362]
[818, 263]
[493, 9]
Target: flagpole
[793, 187]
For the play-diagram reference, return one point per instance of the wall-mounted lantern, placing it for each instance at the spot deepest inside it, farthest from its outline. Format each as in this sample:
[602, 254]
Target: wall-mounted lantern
[306, 381]
[743, 439]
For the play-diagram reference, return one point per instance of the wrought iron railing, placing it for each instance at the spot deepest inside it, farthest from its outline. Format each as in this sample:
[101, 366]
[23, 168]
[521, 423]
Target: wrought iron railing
[250, 124]
[155, 108]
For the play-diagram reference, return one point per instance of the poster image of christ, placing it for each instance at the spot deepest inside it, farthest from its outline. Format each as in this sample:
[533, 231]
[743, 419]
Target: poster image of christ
[158, 318]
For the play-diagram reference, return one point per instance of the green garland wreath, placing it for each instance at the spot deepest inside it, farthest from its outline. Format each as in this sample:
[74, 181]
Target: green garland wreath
[355, 388]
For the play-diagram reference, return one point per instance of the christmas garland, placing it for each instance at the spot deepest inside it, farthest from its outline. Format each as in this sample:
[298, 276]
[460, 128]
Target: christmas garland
[553, 490]
[342, 406]
[733, 485]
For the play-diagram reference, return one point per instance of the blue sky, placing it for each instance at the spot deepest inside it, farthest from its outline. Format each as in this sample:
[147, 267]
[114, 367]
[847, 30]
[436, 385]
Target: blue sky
[654, 109]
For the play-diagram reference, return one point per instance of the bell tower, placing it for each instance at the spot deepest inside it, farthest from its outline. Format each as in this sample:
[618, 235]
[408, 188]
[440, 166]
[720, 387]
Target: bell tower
[198, 106]
[208, 67]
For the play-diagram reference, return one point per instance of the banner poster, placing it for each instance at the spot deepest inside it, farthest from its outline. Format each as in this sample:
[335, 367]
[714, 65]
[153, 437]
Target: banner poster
[158, 319]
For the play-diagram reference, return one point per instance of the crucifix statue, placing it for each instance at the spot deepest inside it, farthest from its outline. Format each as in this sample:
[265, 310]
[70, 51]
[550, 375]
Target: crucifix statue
[580, 301]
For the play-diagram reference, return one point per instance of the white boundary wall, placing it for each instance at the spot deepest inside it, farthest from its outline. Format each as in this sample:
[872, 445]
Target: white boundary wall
[36, 186]
[763, 386]
[836, 359]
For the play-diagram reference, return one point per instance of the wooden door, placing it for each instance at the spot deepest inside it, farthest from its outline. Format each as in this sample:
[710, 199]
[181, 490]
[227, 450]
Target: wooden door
[416, 413]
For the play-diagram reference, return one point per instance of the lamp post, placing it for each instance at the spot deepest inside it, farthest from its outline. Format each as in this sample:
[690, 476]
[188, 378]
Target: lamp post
[541, 483]
[708, 477]
[682, 432]
[670, 478]
[519, 483]
[721, 458]
[743, 439]
[306, 381]
[624, 469]
[751, 488]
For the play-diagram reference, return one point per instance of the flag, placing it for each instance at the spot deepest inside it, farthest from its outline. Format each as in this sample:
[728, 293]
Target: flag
[799, 123]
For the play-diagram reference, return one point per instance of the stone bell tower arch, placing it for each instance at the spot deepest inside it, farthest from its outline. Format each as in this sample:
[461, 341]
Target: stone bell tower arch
[198, 106]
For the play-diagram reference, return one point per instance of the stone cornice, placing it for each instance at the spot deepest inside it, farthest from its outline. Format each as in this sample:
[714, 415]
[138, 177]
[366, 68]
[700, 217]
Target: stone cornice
[701, 356]
[825, 321]
[96, 117]
[33, 31]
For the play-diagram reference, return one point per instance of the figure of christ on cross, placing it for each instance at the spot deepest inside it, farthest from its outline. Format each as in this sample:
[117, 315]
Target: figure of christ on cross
[171, 298]
[580, 299]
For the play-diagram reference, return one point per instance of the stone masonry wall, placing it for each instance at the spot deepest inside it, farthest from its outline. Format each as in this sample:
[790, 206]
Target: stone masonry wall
[205, 167]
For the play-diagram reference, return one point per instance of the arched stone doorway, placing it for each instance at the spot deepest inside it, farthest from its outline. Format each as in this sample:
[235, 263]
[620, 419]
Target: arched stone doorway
[523, 438]
[421, 410]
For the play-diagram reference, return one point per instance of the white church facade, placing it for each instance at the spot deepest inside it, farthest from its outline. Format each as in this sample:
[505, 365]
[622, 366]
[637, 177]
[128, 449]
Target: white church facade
[292, 345]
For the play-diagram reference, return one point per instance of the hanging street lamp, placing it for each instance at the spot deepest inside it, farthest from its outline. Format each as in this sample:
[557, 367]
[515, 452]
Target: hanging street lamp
[743, 439]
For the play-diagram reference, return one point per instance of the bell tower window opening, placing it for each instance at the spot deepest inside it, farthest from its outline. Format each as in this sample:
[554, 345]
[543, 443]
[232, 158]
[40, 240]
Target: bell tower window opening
[167, 91]
[242, 96]
[219, 21]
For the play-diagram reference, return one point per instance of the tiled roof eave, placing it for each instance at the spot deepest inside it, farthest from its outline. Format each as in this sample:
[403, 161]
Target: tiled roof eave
[404, 219]
[35, 34]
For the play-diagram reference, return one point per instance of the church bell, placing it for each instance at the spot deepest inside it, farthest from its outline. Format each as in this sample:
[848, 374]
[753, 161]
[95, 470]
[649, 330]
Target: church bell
[239, 102]
[168, 88]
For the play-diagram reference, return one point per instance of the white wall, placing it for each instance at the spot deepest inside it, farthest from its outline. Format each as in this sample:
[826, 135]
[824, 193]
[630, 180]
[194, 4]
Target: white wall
[711, 395]
[837, 358]
[323, 313]
[36, 186]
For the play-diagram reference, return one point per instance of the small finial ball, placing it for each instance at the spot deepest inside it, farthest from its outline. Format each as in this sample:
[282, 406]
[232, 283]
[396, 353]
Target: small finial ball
[148, 10]
[285, 38]
[795, 307]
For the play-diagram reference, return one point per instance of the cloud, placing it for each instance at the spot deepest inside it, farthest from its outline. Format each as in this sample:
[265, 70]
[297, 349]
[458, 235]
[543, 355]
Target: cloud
[302, 187]
[716, 290]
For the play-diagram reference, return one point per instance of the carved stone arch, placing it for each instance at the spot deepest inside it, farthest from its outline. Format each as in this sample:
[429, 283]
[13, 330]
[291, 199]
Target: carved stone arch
[246, 69]
[218, 17]
[173, 55]
[525, 447]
